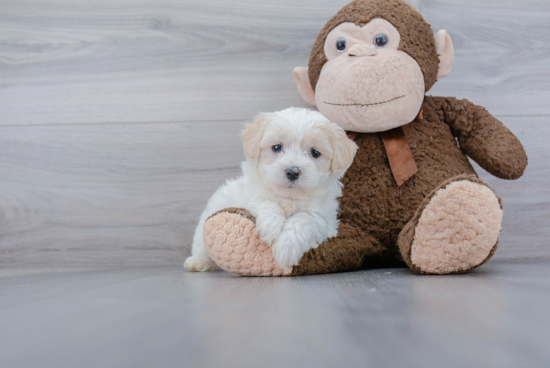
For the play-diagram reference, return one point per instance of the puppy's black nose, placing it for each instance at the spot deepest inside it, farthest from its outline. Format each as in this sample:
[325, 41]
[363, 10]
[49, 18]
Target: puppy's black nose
[292, 173]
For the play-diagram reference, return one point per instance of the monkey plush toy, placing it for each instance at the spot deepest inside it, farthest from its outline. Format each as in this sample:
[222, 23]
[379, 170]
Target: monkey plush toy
[411, 196]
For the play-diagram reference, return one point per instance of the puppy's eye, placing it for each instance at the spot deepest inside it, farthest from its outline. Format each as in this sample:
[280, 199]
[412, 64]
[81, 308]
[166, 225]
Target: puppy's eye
[341, 44]
[381, 40]
[277, 148]
[315, 153]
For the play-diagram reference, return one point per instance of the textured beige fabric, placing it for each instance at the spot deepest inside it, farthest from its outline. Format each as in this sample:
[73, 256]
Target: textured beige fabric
[375, 96]
[458, 228]
[232, 242]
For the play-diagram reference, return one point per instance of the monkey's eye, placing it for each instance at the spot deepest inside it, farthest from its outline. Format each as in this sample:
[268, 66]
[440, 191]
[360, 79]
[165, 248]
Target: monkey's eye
[381, 40]
[277, 148]
[341, 44]
[315, 153]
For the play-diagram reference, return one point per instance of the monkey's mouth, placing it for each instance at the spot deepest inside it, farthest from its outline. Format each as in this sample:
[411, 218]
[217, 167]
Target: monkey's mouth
[364, 105]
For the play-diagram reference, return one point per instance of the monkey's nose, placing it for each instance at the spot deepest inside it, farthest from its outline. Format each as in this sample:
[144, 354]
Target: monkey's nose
[293, 173]
[362, 50]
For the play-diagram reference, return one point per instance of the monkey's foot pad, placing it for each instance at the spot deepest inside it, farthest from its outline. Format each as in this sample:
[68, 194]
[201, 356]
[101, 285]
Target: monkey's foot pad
[458, 229]
[232, 242]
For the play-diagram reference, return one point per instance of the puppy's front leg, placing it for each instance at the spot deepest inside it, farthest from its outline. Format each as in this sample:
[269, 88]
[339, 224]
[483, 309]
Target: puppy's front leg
[301, 233]
[270, 220]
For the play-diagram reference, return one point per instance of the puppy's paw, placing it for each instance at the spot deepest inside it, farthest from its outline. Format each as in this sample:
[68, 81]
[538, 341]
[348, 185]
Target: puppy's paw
[286, 251]
[297, 237]
[269, 225]
[197, 264]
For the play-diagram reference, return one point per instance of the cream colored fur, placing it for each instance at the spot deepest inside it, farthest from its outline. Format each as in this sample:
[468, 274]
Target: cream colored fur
[292, 216]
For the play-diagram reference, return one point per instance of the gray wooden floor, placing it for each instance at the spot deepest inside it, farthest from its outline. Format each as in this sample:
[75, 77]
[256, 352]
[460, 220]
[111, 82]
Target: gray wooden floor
[162, 317]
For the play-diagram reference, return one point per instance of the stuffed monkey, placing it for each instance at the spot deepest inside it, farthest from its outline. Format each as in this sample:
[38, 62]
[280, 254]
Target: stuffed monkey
[411, 196]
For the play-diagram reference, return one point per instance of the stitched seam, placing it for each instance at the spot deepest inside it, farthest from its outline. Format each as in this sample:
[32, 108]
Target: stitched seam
[372, 104]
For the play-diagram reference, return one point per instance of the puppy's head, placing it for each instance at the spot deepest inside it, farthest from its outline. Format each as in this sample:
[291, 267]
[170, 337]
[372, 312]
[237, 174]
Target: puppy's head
[297, 150]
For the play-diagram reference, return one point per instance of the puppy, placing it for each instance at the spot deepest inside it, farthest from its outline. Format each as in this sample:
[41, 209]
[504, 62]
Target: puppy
[289, 183]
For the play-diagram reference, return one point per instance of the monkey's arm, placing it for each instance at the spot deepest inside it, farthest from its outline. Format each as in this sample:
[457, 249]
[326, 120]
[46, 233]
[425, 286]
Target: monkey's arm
[482, 137]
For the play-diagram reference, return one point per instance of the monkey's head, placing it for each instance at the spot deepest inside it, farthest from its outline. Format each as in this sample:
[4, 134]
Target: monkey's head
[371, 65]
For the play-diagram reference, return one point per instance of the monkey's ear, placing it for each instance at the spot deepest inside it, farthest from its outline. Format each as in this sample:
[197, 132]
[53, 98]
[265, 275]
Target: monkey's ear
[446, 53]
[304, 87]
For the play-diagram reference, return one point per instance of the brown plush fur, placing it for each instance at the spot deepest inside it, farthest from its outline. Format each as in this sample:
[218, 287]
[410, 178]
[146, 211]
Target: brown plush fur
[417, 38]
[374, 210]
[239, 211]
[353, 249]
[482, 137]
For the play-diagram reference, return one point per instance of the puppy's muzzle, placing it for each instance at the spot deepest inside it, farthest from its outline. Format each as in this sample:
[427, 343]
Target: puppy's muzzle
[293, 173]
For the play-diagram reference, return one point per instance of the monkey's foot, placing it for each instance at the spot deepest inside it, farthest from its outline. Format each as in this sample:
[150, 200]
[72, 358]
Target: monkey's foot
[232, 242]
[455, 229]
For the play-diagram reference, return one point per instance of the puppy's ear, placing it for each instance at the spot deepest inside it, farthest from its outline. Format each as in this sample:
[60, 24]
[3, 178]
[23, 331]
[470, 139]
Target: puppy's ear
[343, 147]
[252, 136]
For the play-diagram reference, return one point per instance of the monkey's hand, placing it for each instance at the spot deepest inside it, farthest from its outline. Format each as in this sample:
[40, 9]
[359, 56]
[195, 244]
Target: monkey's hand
[484, 138]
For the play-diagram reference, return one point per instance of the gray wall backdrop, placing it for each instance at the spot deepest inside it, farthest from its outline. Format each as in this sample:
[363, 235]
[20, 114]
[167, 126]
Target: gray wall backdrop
[118, 119]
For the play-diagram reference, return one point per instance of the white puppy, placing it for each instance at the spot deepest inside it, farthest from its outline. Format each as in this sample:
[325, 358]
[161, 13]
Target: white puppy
[290, 184]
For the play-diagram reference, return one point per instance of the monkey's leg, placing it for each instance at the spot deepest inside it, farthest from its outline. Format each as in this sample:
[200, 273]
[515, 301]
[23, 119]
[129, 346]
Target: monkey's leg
[454, 230]
[353, 249]
[232, 242]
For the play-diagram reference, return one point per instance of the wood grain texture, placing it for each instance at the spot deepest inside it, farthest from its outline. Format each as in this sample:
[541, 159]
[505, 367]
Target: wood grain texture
[131, 193]
[157, 61]
[119, 119]
[495, 317]
[109, 193]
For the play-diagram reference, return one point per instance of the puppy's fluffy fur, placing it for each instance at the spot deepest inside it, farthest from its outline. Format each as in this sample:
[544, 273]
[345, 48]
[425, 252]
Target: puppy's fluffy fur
[291, 192]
